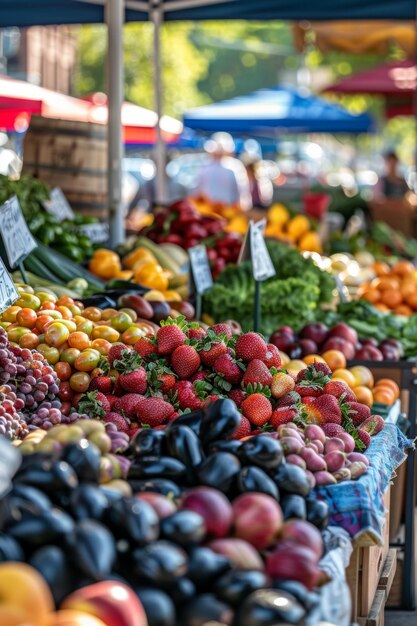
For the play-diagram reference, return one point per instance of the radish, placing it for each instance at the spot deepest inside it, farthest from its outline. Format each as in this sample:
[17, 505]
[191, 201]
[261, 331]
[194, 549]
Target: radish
[313, 432]
[295, 459]
[324, 478]
[358, 456]
[315, 463]
[357, 469]
[342, 474]
[291, 445]
[348, 440]
[334, 443]
[312, 446]
[311, 478]
[292, 562]
[335, 460]
[319, 445]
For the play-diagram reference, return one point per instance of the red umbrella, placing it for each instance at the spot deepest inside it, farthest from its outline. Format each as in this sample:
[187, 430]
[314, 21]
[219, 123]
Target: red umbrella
[396, 81]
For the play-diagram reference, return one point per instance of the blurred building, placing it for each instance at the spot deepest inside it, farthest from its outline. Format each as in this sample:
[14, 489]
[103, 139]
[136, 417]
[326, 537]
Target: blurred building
[41, 55]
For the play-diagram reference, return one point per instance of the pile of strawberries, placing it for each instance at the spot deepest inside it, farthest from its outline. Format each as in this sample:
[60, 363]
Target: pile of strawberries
[184, 367]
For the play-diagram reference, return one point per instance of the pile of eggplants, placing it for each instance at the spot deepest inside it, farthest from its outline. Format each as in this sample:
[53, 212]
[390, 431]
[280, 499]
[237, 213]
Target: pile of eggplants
[58, 518]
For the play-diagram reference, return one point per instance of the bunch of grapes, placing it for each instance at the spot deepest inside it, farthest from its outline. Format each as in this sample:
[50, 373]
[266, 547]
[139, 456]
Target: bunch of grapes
[12, 423]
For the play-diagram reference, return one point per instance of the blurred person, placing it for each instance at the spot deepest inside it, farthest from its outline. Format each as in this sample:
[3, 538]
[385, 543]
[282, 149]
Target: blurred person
[260, 186]
[392, 184]
[224, 180]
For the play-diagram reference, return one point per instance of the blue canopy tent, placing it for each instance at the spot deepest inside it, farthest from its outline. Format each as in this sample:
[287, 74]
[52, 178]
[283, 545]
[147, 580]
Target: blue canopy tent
[267, 111]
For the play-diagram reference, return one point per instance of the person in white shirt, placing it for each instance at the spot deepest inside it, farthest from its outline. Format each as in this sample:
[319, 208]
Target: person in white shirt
[224, 180]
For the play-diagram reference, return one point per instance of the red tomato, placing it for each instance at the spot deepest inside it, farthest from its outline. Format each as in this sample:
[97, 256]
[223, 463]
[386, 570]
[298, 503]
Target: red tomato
[26, 317]
[63, 370]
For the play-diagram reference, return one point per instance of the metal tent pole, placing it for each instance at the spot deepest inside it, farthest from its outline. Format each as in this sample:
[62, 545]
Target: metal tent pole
[115, 89]
[156, 16]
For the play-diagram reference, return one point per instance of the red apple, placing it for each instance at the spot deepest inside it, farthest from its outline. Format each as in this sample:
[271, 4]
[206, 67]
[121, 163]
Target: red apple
[369, 342]
[241, 553]
[337, 343]
[369, 353]
[303, 534]
[114, 603]
[257, 518]
[344, 331]
[214, 508]
[308, 346]
[316, 331]
[283, 341]
[293, 562]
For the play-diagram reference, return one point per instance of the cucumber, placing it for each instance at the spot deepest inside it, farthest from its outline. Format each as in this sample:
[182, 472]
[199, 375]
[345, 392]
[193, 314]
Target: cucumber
[35, 266]
[67, 270]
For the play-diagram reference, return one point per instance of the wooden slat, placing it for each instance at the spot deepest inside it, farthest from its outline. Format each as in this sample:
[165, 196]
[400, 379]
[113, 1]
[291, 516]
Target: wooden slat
[388, 572]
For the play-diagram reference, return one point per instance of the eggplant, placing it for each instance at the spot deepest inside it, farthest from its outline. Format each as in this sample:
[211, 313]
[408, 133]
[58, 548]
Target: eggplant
[182, 591]
[219, 470]
[205, 566]
[225, 445]
[30, 495]
[206, 608]
[10, 550]
[294, 506]
[185, 528]
[318, 513]
[184, 445]
[234, 586]
[160, 563]
[159, 608]
[38, 529]
[49, 476]
[88, 502]
[148, 442]
[157, 467]
[133, 519]
[193, 420]
[221, 419]
[159, 485]
[251, 478]
[263, 451]
[309, 599]
[52, 563]
[93, 549]
[292, 479]
[268, 607]
[85, 458]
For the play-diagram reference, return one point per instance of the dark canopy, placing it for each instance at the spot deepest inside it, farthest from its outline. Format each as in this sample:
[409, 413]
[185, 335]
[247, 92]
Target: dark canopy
[29, 12]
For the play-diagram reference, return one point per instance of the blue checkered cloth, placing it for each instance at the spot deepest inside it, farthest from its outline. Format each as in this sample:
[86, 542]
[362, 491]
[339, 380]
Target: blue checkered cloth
[357, 506]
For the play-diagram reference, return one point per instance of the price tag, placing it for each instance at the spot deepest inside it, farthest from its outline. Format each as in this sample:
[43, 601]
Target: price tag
[16, 236]
[8, 292]
[200, 269]
[97, 233]
[58, 206]
[254, 249]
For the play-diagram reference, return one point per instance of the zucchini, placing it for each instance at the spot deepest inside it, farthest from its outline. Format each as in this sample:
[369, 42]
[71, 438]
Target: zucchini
[67, 269]
[35, 266]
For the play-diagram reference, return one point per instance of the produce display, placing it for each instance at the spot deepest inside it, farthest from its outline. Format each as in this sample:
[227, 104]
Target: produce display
[297, 229]
[394, 288]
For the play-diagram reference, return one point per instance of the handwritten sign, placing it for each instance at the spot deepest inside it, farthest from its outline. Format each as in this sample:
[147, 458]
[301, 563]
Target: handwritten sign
[58, 206]
[254, 249]
[200, 269]
[97, 233]
[8, 292]
[16, 236]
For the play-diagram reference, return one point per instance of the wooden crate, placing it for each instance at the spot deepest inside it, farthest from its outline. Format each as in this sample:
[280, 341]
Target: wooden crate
[375, 616]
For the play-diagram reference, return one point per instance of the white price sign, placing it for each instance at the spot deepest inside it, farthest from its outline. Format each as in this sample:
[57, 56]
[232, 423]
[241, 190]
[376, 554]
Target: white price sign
[58, 206]
[16, 236]
[97, 233]
[200, 268]
[254, 249]
[8, 291]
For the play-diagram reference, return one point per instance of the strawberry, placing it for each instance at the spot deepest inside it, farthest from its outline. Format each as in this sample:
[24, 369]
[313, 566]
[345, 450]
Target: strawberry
[185, 361]
[324, 410]
[196, 334]
[111, 400]
[332, 430]
[373, 424]
[250, 346]
[118, 389]
[222, 329]
[257, 373]
[357, 412]
[315, 372]
[201, 375]
[227, 367]
[306, 388]
[281, 384]
[120, 422]
[116, 352]
[134, 382]
[272, 357]
[132, 431]
[167, 382]
[153, 411]
[257, 408]
[283, 415]
[187, 397]
[210, 399]
[364, 437]
[337, 388]
[237, 395]
[243, 430]
[210, 350]
[169, 337]
[173, 416]
[128, 404]
[292, 397]
[145, 347]
[94, 404]
[104, 384]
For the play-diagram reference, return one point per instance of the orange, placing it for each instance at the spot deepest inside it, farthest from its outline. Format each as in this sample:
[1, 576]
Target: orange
[344, 375]
[411, 300]
[384, 395]
[364, 395]
[313, 358]
[391, 297]
[403, 309]
[403, 268]
[362, 375]
[381, 268]
[334, 359]
[382, 307]
[386, 282]
[390, 384]
[371, 295]
[408, 286]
